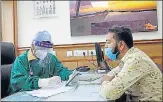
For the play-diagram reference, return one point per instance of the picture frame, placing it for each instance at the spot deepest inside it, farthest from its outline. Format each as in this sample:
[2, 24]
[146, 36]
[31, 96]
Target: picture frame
[43, 9]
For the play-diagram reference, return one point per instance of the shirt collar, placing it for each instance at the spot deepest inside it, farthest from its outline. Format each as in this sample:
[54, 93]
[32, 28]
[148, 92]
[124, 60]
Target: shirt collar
[130, 51]
[30, 55]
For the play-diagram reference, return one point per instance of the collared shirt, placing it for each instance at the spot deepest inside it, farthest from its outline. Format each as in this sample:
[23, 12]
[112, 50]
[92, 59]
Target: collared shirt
[114, 71]
[30, 55]
[139, 76]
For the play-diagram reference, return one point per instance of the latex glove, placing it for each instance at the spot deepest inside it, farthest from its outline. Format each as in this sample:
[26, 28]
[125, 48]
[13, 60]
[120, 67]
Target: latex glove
[76, 79]
[49, 82]
[114, 71]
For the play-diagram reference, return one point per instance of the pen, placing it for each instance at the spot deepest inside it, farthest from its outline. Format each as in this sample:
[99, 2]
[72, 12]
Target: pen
[72, 79]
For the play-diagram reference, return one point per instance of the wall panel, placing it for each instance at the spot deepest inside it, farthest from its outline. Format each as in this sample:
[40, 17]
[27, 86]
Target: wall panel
[151, 47]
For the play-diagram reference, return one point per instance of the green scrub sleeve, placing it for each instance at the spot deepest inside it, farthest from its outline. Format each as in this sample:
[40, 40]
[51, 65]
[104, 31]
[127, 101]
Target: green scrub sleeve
[62, 71]
[20, 79]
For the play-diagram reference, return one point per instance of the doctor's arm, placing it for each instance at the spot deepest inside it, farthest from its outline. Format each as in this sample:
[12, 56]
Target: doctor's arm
[62, 71]
[20, 80]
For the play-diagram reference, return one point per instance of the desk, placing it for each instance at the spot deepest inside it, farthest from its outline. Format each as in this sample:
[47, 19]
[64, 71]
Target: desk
[84, 92]
[81, 93]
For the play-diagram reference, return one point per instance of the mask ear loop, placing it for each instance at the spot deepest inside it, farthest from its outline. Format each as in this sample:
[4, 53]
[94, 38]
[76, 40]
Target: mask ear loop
[33, 49]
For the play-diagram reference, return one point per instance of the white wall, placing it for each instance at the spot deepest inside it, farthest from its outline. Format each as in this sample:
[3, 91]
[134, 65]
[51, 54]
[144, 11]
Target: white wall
[59, 26]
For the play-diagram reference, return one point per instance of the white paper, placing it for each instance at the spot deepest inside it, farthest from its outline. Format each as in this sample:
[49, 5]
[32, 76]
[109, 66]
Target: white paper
[46, 92]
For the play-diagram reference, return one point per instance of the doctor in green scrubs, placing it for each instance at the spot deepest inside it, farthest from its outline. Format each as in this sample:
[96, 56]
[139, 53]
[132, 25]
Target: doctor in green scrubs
[38, 67]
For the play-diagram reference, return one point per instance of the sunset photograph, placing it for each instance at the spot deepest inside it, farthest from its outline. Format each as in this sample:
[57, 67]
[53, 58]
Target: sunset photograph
[96, 17]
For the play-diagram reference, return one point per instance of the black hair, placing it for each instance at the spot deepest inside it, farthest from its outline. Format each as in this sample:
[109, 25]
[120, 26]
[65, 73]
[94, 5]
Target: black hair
[122, 33]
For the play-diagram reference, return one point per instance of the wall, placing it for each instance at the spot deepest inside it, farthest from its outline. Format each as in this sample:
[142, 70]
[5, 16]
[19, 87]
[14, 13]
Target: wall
[151, 47]
[7, 21]
[59, 26]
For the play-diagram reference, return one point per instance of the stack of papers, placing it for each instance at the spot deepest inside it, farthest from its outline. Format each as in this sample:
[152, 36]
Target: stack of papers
[46, 92]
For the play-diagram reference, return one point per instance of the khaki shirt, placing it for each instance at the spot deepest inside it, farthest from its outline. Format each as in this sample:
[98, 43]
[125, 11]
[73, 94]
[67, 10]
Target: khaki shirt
[139, 77]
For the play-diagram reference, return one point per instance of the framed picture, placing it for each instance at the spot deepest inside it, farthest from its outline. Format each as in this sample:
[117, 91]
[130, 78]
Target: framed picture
[96, 17]
[44, 8]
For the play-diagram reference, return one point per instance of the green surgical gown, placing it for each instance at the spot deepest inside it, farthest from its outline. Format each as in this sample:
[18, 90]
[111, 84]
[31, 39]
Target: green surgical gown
[25, 75]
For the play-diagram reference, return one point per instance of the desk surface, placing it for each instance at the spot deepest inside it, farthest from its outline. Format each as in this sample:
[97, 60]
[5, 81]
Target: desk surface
[81, 93]
[84, 92]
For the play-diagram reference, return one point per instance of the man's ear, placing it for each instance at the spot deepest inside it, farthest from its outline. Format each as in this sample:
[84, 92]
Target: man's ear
[121, 45]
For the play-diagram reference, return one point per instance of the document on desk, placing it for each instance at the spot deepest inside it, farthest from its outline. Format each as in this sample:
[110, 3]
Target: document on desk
[46, 92]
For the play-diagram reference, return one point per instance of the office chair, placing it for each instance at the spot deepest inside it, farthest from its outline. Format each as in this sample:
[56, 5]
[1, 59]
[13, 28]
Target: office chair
[160, 67]
[7, 58]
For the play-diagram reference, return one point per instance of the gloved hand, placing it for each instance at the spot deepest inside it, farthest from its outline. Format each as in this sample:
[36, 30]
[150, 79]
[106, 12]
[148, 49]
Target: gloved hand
[76, 79]
[114, 71]
[49, 82]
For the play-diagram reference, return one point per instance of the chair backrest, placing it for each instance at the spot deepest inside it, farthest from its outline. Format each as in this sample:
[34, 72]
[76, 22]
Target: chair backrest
[159, 66]
[7, 58]
[7, 53]
[5, 79]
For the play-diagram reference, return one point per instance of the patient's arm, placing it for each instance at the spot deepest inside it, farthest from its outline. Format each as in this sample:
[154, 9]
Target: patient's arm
[114, 71]
[111, 75]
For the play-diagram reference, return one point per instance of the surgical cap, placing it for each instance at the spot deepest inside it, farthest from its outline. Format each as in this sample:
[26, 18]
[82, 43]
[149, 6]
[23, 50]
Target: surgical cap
[43, 39]
[42, 36]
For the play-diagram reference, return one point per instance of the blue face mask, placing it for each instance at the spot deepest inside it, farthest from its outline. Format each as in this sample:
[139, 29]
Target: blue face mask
[109, 53]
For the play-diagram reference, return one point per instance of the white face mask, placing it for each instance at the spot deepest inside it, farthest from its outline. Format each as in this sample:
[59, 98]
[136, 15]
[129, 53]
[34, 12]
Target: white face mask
[41, 54]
